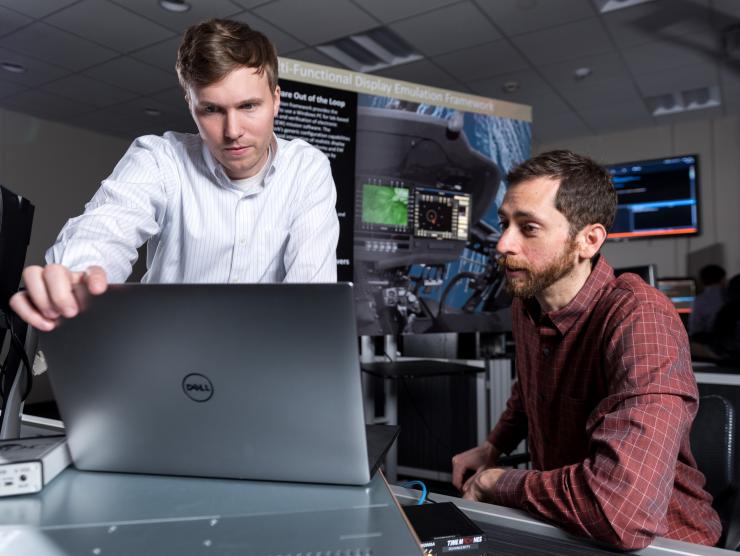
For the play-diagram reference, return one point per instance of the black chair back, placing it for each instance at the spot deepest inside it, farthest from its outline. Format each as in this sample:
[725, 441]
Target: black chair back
[713, 446]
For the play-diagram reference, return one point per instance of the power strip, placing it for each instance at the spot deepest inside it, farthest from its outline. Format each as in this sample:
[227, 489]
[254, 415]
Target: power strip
[29, 464]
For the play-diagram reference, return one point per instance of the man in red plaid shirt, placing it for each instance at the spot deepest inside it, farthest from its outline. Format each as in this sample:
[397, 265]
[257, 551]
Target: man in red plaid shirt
[605, 392]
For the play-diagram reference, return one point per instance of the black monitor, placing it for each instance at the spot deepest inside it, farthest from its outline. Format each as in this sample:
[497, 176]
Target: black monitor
[656, 198]
[681, 292]
[16, 217]
[647, 272]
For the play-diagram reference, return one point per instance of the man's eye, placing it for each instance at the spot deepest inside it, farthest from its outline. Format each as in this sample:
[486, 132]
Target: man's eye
[503, 225]
[210, 109]
[248, 106]
[529, 229]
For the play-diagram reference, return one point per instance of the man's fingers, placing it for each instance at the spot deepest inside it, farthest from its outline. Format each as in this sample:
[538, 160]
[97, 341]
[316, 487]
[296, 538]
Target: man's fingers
[96, 280]
[33, 278]
[458, 472]
[58, 281]
[21, 304]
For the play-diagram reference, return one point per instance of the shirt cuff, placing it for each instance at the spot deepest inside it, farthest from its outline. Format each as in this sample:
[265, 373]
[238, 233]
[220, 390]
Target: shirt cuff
[509, 488]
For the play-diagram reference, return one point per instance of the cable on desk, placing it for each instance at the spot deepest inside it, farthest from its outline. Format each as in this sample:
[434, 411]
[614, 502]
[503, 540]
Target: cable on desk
[410, 484]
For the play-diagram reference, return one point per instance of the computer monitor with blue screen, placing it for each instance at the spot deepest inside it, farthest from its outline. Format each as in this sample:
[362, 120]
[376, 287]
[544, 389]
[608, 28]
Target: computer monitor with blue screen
[656, 198]
[681, 292]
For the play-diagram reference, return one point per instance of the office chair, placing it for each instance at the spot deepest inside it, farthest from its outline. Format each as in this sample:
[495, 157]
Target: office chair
[713, 446]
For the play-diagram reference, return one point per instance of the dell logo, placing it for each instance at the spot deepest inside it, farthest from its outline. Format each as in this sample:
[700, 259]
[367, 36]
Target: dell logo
[197, 387]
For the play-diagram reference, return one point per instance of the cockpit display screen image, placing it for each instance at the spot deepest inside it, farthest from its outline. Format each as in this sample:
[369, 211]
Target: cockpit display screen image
[428, 184]
[385, 206]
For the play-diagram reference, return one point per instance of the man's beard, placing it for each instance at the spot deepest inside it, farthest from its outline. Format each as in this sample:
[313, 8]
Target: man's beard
[536, 281]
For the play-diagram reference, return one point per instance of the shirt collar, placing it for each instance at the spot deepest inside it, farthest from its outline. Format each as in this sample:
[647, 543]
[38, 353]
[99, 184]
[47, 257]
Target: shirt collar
[217, 171]
[564, 318]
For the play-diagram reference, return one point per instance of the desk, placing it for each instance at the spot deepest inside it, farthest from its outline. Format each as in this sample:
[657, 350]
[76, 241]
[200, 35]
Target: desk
[514, 533]
[397, 372]
[119, 514]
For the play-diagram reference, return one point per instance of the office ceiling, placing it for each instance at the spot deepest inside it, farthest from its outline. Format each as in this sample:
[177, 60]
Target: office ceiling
[108, 65]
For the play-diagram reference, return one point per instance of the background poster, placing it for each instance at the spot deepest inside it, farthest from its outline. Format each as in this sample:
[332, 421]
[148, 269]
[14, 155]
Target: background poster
[420, 176]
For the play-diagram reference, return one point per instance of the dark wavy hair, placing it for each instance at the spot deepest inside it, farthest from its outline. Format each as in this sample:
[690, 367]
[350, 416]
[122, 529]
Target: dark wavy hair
[586, 194]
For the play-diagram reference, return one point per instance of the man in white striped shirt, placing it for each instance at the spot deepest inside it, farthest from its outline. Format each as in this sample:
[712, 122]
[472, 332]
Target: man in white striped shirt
[231, 204]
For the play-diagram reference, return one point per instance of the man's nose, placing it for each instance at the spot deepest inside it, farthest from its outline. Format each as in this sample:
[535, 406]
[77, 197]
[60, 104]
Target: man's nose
[232, 127]
[507, 244]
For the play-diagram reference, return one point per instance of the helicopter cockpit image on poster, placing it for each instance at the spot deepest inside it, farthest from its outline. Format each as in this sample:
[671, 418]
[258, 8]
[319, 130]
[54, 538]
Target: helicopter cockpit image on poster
[428, 184]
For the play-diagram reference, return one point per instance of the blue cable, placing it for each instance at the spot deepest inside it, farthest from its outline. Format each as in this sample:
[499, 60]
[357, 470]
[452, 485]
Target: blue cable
[423, 497]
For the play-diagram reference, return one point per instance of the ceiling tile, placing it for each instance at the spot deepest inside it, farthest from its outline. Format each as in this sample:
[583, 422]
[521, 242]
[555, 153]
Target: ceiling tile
[663, 19]
[37, 72]
[730, 77]
[515, 17]
[618, 116]
[174, 97]
[564, 42]
[86, 90]
[533, 91]
[249, 4]
[45, 105]
[558, 126]
[313, 56]
[659, 55]
[594, 94]
[135, 111]
[133, 75]
[725, 13]
[109, 25]
[481, 61]
[10, 21]
[163, 54]
[602, 66]
[678, 79]
[391, 10]
[49, 43]
[317, 21]
[528, 80]
[200, 10]
[8, 88]
[446, 29]
[283, 41]
[36, 8]
[423, 72]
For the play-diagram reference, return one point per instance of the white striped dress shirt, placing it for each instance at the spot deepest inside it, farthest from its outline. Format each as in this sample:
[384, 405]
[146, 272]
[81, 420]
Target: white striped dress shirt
[200, 227]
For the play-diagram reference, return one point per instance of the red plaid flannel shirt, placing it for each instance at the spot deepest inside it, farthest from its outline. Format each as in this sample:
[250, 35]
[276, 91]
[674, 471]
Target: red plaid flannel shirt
[606, 396]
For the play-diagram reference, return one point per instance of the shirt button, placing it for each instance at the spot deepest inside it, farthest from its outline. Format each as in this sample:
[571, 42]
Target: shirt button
[243, 241]
[546, 351]
[234, 279]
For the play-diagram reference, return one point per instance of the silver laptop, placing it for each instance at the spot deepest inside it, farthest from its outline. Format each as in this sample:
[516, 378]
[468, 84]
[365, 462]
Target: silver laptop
[235, 381]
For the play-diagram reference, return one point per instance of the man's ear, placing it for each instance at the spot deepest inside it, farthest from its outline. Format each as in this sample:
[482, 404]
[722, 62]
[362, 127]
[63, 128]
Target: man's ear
[276, 101]
[590, 240]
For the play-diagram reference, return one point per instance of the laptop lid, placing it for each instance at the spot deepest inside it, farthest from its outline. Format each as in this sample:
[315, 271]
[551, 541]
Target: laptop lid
[258, 381]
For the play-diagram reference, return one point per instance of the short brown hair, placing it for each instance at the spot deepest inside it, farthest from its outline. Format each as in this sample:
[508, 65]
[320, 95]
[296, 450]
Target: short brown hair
[586, 194]
[212, 49]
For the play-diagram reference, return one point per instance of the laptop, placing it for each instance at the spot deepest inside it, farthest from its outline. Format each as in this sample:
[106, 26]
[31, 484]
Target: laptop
[258, 381]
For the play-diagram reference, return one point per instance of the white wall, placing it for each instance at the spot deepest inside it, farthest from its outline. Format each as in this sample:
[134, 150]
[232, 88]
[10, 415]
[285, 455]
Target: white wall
[57, 167]
[717, 142]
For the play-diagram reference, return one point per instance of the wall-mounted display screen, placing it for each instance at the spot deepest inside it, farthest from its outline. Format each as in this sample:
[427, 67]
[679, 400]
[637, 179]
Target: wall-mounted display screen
[656, 198]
